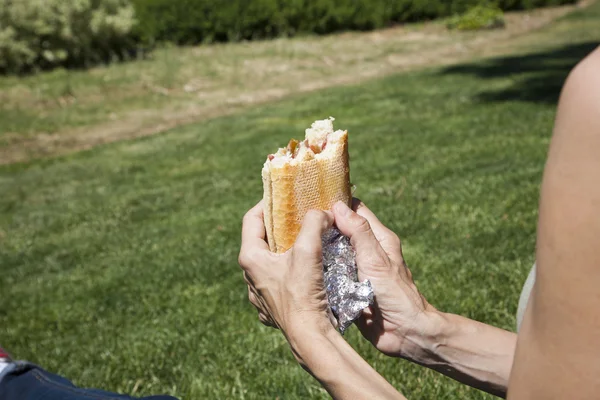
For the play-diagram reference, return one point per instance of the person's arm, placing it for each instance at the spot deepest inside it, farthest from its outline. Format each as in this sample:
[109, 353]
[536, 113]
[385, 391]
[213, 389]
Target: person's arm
[469, 351]
[403, 324]
[288, 291]
[335, 364]
[558, 351]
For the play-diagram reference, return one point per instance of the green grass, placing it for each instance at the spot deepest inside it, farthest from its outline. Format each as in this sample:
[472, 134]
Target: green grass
[118, 265]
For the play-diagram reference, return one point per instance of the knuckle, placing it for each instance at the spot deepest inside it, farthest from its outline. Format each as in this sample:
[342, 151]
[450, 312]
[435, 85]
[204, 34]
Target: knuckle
[249, 258]
[393, 239]
[361, 223]
[247, 217]
[244, 261]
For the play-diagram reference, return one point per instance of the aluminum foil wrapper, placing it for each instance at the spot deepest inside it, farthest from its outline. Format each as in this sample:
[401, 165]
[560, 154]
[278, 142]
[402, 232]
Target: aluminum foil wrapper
[346, 296]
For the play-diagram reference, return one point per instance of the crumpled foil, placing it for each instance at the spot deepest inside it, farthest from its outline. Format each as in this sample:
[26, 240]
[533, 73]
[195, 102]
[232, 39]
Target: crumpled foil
[347, 296]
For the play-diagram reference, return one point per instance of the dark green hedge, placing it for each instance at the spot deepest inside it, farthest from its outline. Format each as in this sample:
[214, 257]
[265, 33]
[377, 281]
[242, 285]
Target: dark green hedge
[196, 21]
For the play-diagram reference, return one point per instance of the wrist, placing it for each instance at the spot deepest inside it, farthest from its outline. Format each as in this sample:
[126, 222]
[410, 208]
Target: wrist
[421, 343]
[302, 333]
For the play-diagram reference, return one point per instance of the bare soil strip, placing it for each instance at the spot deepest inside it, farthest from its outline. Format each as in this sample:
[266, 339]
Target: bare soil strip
[247, 74]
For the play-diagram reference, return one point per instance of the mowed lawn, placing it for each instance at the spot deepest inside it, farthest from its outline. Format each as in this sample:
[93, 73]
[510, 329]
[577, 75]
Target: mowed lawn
[118, 266]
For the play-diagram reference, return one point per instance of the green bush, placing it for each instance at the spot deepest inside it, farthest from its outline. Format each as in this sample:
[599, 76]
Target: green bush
[46, 33]
[528, 4]
[38, 34]
[478, 17]
[197, 21]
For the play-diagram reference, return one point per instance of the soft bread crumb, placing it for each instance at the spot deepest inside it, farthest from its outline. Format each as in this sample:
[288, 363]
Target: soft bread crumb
[304, 154]
[333, 140]
[318, 131]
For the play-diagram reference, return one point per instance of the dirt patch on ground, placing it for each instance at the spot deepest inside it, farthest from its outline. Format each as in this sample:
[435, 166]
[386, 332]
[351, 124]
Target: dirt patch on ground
[210, 81]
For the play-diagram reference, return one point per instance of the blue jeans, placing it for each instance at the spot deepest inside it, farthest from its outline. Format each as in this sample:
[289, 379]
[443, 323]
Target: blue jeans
[25, 381]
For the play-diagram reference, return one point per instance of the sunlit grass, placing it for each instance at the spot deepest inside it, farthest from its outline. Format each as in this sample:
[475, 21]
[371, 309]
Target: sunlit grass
[118, 265]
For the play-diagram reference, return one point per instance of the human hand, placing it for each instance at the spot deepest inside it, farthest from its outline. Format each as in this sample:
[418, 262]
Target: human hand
[287, 289]
[399, 321]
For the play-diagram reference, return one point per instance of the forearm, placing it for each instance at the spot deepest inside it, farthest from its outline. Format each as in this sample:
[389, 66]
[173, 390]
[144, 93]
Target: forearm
[335, 364]
[471, 352]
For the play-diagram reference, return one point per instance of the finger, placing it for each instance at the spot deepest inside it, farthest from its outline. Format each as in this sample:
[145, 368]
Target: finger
[247, 279]
[367, 313]
[366, 326]
[358, 229]
[253, 235]
[308, 248]
[257, 300]
[378, 228]
[369, 323]
[253, 228]
[254, 299]
[388, 240]
[265, 320]
[332, 319]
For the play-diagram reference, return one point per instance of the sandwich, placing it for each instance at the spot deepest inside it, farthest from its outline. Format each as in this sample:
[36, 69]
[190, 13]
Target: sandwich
[304, 175]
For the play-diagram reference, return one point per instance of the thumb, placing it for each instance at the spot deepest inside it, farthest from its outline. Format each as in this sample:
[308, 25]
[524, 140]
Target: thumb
[308, 248]
[358, 229]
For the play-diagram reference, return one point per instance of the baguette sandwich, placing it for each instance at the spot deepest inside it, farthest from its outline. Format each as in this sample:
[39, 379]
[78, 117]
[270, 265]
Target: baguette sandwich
[311, 174]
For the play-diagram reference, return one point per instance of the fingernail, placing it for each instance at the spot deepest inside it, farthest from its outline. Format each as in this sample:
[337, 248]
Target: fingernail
[342, 208]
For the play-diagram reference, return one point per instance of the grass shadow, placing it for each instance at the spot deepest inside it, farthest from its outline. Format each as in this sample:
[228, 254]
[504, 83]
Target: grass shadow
[537, 77]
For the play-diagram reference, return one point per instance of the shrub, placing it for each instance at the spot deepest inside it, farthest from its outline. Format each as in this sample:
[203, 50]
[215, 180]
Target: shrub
[478, 17]
[197, 21]
[46, 33]
[528, 4]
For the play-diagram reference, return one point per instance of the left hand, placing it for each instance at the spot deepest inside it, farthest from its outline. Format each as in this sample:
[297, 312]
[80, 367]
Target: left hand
[287, 289]
[401, 318]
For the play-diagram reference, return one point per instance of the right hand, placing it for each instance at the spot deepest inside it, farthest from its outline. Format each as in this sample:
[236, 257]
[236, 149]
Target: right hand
[399, 322]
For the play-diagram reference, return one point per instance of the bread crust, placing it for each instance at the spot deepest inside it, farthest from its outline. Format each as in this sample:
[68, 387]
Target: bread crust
[290, 190]
[268, 207]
